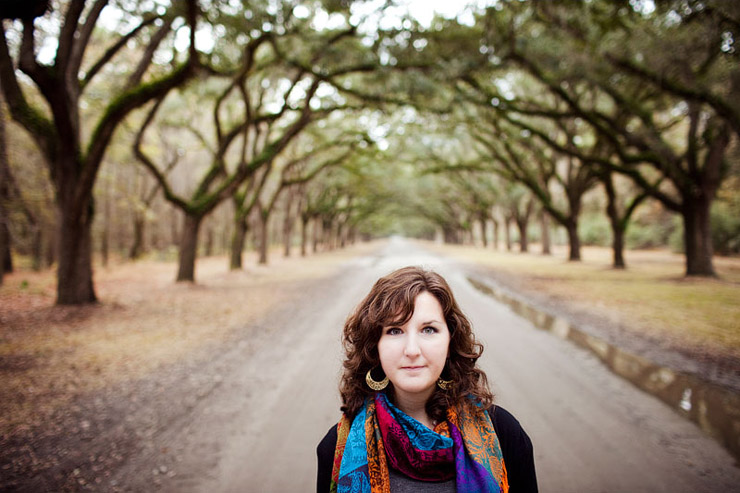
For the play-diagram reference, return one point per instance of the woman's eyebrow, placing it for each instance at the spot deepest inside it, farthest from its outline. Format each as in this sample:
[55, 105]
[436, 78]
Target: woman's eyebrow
[431, 322]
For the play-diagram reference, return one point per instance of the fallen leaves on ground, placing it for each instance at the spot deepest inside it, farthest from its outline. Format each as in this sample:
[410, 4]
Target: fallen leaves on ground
[50, 354]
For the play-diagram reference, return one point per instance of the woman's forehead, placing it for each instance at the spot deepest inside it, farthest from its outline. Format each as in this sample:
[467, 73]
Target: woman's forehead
[402, 309]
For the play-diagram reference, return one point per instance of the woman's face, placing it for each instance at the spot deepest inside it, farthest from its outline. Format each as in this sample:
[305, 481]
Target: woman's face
[414, 354]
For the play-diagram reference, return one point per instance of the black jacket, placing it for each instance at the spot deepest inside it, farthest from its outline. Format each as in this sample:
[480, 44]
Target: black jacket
[516, 448]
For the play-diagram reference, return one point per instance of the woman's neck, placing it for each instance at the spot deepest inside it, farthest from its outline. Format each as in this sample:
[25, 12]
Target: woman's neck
[415, 406]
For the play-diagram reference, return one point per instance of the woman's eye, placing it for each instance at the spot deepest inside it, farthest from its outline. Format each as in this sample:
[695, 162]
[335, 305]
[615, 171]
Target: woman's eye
[429, 330]
[393, 331]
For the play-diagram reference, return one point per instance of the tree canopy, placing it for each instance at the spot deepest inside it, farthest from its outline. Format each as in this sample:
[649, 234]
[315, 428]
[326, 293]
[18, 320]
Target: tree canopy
[360, 119]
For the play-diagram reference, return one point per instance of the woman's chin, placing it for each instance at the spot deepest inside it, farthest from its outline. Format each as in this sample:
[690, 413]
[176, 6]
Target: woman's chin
[413, 389]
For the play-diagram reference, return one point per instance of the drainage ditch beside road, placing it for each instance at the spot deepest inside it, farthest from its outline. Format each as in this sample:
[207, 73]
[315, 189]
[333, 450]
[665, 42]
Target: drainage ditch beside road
[715, 409]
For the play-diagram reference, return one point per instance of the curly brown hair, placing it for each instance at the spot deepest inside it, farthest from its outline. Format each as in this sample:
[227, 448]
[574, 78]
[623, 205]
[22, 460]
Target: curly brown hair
[391, 302]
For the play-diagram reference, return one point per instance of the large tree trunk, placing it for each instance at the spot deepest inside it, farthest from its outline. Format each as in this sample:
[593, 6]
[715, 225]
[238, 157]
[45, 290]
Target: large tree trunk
[616, 224]
[545, 233]
[495, 234]
[575, 195]
[287, 232]
[340, 235]
[74, 273]
[263, 237]
[137, 247]
[575, 242]
[698, 236]
[618, 248]
[237, 243]
[507, 232]
[188, 248]
[522, 223]
[288, 221]
[483, 232]
[698, 195]
[316, 234]
[304, 235]
[58, 135]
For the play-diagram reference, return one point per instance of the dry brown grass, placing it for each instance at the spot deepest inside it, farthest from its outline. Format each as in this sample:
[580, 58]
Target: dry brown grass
[652, 296]
[49, 354]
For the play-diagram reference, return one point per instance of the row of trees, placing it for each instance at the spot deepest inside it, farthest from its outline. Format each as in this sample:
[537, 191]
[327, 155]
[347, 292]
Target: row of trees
[563, 97]
[367, 123]
[651, 95]
[259, 83]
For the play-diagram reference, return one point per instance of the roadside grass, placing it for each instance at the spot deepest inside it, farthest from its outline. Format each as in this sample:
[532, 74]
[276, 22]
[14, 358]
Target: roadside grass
[651, 296]
[50, 354]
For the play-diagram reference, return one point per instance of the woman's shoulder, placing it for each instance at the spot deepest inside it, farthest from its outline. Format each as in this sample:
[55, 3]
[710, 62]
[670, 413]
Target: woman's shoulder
[503, 421]
[330, 439]
[325, 453]
[328, 443]
[516, 447]
[510, 432]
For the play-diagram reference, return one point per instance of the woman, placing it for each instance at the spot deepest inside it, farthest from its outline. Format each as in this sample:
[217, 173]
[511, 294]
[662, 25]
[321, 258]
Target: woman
[418, 414]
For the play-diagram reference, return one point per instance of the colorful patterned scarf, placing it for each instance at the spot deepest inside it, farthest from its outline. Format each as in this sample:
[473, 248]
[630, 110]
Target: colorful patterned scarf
[464, 447]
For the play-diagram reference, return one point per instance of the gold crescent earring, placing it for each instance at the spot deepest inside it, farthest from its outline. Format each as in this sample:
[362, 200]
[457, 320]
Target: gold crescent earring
[441, 382]
[373, 384]
[444, 384]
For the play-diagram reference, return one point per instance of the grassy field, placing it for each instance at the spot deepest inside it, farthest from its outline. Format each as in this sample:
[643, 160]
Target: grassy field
[651, 296]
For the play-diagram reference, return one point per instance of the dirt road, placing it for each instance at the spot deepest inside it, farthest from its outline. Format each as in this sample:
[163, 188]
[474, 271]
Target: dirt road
[257, 429]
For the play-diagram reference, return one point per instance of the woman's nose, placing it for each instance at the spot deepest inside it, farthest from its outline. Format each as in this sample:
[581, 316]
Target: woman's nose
[411, 347]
